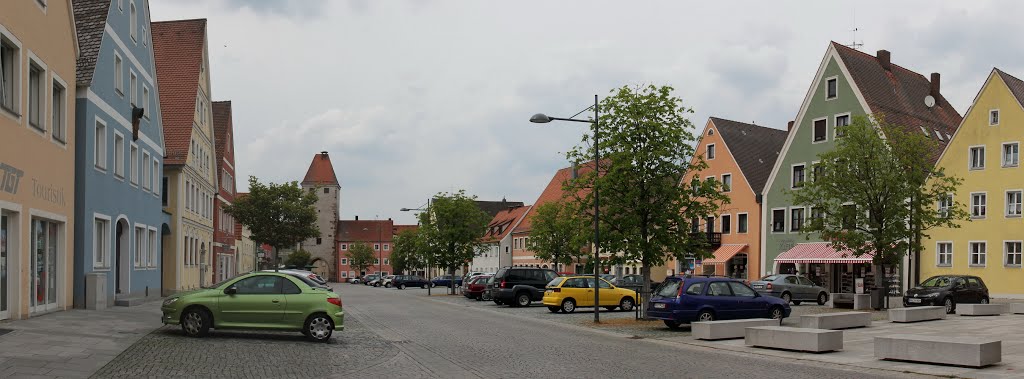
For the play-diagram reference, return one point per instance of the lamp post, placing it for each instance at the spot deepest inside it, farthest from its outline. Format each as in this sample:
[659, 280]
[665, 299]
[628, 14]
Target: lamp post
[426, 271]
[541, 118]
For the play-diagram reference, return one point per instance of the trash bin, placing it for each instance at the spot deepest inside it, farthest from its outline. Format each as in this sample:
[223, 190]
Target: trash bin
[877, 298]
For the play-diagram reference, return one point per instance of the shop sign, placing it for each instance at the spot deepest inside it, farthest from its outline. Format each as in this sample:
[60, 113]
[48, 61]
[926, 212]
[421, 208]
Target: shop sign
[10, 177]
[858, 285]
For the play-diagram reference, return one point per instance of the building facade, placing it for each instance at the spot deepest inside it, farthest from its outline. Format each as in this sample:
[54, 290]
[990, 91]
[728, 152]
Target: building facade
[496, 251]
[245, 246]
[225, 252]
[38, 50]
[985, 153]
[190, 181]
[321, 179]
[378, 234]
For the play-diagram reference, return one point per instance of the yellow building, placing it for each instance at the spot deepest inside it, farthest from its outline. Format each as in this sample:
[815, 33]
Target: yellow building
[985, 153]
[182, 62]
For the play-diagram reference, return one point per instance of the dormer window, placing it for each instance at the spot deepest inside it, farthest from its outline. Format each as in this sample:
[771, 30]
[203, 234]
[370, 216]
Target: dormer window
[993, 117]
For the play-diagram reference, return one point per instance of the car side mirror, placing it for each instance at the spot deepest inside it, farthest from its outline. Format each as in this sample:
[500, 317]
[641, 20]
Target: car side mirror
[231, 290]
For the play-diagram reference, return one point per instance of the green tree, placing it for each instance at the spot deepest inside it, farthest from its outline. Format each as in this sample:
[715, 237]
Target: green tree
[451, 228]
[298, 259]
[360, 256]
[407, 253]
[646, 147]
[558, 233]
[280, 215]
[875, 192]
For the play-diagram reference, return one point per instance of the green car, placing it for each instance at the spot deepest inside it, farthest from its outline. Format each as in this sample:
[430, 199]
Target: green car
[261, 300]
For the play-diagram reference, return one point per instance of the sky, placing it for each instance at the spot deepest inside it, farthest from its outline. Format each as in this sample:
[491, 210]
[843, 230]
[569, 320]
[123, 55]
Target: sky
[411, 98]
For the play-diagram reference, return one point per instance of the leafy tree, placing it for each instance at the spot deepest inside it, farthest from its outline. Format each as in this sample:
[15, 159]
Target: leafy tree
[875, 192]
[646, 147]
[298, 259]
[360, 256]
[559, 231]
[408, 251]
[280, 215]
[451, 228]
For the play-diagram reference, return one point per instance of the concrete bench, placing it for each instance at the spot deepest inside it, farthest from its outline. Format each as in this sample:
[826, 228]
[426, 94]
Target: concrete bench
[958, 350]
[915, 314]
[980, 309]
[1017, 308]
[861, 301]
[725, 329]
[841, 300]
[801, 339]
[839, 320]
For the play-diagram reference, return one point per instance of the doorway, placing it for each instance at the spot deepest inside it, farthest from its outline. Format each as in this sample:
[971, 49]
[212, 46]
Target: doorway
[122, 258]
[43, 265]
[4, 284]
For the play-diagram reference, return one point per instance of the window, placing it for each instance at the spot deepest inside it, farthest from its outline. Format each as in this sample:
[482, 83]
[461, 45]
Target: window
[344, 261]
[327, 190]
[145, 101]
[140, 245]
[156, 175]
[1011, 154]
[134, 164]
[386, 261]
[978, 205]
[101, 243]
[726, 182]
[376, 261]
[151, 262]
[831, 88]
[100, 146]
[841, 121]
[993, 117]
[163, 193]
[58, 107]
[118, 75]
[778, 220]
[849, 216]
[711, 151]
[820, 130]
[9, 72]
[133, 22]
[944, 204]
[318, 240]
[977, 157]
[798, 176]
[344, 246]
[796, 221]
[1013, 203]
[816, 214]
[133, 84]
[944, 254]
[259, 285]
[1012, 253]
[120, 5]
[693, 289]
[36, 104]
[726, 224]
[146, 176]
[376, 247]
[978, 253]
[817, 170]
[741, 223]
[118, 155]
[719, 289]
[387, 247]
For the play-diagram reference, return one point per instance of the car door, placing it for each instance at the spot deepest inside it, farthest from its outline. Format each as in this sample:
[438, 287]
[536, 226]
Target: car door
[296, 304]
[807, 289]
[791, 284]
[747, 303]
[257, 300]
[586, 292]
[719, 296]
[960, 292]
[575, 288]
[974, 289]
[609, 297]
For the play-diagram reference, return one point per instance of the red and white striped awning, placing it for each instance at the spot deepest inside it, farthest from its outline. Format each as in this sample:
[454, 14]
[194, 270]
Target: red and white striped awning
[820, 252]
[724, 253]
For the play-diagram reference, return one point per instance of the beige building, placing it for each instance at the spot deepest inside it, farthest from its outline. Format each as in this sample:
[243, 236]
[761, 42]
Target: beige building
[38, 53]
[244, 245]
[321, 179]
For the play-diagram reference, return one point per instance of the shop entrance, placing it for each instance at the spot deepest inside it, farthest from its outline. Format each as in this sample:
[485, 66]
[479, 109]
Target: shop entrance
[5, 313]
[43, 266]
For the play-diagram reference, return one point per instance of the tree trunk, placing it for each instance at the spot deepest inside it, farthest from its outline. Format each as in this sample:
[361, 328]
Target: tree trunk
[645, 289]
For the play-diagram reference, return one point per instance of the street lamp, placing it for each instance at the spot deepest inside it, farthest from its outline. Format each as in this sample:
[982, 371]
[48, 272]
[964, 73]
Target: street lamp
[541, 118]
[426, 271]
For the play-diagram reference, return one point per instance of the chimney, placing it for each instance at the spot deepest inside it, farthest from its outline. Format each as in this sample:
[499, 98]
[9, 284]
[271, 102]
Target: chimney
[935, 85]
[885, 59]
[357, 217]
[789, 126]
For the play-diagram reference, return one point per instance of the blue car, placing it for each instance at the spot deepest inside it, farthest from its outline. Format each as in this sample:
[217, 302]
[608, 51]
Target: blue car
[446, 281]
[682, 300]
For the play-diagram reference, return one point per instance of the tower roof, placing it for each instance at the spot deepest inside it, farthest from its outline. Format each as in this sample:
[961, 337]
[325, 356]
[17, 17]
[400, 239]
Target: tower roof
[321, 171]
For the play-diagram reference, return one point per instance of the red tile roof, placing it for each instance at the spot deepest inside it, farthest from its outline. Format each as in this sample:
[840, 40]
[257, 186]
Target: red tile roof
[397, 229]
[178, 49]
[365, 230]
[503, 222]
[223, 127]
[552, 193]
[321, 171]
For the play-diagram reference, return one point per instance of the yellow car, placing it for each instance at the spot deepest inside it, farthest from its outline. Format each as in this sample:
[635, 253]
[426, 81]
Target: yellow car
[568, 293]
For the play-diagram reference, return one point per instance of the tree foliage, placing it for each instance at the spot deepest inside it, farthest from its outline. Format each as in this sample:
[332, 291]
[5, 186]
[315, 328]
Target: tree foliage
[451, 228]
[280, 215]
[558, 232]
[360, 256]
[408, 252]
[298, 259]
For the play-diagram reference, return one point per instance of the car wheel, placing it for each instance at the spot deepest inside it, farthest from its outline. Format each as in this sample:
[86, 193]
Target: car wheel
[568, 305]
[195, 322]
[984, 300]
[626, 304]
[387, 285]
[523, 299]
[423, 286]
[319, 327]
[787, 297]
[401, 286]
[796, 302]
[705, 315]
[822, 298]
[775, 313]
[672, 324]
[554, 309]
[950, 305]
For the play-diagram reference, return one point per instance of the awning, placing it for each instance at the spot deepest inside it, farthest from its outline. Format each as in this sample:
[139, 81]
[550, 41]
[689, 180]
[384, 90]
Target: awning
[724, 253]
[820, 252]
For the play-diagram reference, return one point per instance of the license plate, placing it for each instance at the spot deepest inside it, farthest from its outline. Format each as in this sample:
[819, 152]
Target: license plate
[659, 305]
[913, 300]
[758, 286]
[548, 291]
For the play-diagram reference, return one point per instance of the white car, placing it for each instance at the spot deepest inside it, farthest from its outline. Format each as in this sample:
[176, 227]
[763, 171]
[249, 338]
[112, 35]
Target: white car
[386, 282]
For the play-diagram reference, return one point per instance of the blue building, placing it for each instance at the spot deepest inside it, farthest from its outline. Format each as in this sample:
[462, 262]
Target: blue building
[119, 160]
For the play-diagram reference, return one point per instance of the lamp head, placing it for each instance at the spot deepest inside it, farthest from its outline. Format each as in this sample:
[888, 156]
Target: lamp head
[404, 209]
[540, 118]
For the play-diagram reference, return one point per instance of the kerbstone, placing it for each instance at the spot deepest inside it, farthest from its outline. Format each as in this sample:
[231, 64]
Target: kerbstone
[951, 350]
[789, 338]
[980, 309]
[726, 329]
[1017, 308]
[915, 314]
[838, 320]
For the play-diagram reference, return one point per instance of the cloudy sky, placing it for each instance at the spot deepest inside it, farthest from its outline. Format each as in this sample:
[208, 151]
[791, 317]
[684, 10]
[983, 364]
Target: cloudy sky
[415, 97]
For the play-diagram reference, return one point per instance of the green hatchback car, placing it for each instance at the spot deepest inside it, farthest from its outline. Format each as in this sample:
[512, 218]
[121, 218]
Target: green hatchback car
[261, 300]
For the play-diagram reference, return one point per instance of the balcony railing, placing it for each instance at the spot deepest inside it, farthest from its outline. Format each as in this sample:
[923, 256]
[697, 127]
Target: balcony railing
[714, 240]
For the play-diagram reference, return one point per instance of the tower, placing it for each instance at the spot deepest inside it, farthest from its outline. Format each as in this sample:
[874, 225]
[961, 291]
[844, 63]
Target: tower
[321, 178]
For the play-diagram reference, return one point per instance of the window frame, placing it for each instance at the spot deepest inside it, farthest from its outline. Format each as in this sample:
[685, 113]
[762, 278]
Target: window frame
[710, 151]
[998, 116]
[835, 123]
[99, 155]
[1020, 203]
[983, 254]
[943, 209]
[803, 219]
[814, 131]
[139, 245]
[133, 88]
[153, 247]
[725, 222]
[145, 177]
[792, 176]
[745, 216]
[1019, 253]
[983, 207]
[14, 110]
[727, 185]
[970, 157]
[939, 254]
[118, 74]
[103, 263]
[133, 22]
[119, 158]
[785, 215]
[60, 125]
[828, 81]
[36, 64]
[133, 166]
[1003, 155]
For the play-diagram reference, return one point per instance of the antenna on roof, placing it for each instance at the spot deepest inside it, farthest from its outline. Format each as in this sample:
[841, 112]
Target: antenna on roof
[855, 45]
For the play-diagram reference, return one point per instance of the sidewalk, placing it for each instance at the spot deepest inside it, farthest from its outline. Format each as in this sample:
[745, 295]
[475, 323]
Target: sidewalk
[72, 344]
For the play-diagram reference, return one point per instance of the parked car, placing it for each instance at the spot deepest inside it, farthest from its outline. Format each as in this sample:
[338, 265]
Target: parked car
[257, 301]
[402, 281]
[355, 280]
[607, 277]
[682, 300]
[385, 281]
[520, 286]
[446, 281]
[368, 279]
[476, 287]
[789, 287]
[632, 281]
[306, 276]
[568, 293]
[947, 291]
[486, 296]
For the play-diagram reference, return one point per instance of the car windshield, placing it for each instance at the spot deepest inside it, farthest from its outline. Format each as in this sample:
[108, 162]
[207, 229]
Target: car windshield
[937, 282]
[769, 278]
[670, 288]
[555, 282]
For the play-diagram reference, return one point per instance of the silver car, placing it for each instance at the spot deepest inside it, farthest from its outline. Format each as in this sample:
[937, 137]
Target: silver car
[791, 288]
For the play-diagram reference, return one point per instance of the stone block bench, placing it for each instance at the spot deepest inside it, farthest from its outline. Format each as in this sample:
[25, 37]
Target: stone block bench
[838, 320]
[789, 338]
[980, 309]
[959, 350]
[725, 329]
[1017, 308]
[915, 314]
[861, 301]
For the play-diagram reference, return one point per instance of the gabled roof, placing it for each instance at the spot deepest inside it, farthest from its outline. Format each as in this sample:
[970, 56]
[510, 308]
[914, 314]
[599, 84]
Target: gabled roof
[90, 23]
[552, 193]
[503, 223]
[178, 49]
[365, 230]
[898, 93]
[397, 229]
[754, 148]
[222, 127]
[321, 171]
[1016, 85]
[493, 207]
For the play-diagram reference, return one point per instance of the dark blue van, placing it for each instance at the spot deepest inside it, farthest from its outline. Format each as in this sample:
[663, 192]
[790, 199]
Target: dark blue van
[685, 299]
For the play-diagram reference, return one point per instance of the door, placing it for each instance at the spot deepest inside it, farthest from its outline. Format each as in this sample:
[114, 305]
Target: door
[747, 304]
[43, 266]
[607, 298]
[719, 297]
[295, 303]
[807, 290]
[257, 300]
[584, 292]
[4, 286]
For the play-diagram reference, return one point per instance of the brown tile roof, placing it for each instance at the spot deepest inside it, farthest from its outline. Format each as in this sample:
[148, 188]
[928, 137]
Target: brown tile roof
[353, 230]
[401, 228]
[90, 23]
[178, 48]
[503, 222]
[493, 207]
[553, 192]
[899, 94]
[321, 171]
[754, 148]
[1016, 85]
[222, 128]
